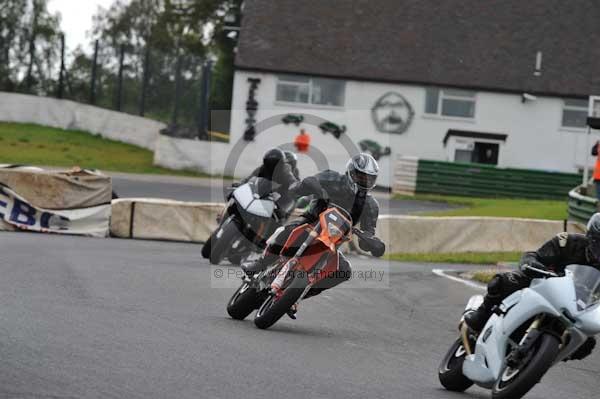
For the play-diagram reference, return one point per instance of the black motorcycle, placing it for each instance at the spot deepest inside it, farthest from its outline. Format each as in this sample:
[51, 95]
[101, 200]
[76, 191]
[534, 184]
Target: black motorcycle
[252, 214]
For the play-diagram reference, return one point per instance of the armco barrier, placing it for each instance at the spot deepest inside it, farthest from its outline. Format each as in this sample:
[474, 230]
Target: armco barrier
[477, 180]
[581, 207]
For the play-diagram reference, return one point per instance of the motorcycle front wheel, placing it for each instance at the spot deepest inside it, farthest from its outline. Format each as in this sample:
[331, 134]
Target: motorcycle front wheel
[450, 371]
[272, 310]
[206, 248]
[244, 301]
[515, 383]
[222, 245]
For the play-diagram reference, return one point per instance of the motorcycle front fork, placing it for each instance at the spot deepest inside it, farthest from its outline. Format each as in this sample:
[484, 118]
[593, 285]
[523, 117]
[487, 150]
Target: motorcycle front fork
[521, 350]
[523, 346]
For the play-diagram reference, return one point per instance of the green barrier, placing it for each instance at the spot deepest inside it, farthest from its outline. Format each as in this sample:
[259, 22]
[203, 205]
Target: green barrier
[581, 207]
[476, 180]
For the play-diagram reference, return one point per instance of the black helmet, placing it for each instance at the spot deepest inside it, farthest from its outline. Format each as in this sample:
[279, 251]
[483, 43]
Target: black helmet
[273, 157]
[362, 171]
[291, 158]
[593, 235]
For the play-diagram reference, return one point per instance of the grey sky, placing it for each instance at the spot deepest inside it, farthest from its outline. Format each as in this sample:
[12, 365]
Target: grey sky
[77, 19]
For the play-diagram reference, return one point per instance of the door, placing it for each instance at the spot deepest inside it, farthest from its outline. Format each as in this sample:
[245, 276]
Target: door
[486, 153]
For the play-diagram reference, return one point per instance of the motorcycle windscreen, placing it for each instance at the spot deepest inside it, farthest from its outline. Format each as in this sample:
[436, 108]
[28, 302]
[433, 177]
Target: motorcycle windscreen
[587, 285]
[243, 195]
[262, 208]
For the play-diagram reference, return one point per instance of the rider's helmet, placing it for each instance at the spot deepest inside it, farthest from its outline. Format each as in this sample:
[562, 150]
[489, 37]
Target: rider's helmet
[273, 157]
[361, 172]
[291, 158]
[593, 235]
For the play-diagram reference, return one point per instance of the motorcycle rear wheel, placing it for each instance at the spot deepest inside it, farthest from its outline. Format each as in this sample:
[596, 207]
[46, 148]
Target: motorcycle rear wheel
[272, 310]
[514, 384]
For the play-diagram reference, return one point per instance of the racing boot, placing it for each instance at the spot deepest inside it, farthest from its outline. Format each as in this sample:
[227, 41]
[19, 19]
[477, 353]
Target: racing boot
[260, 264]
[477, 319]
[498, 288]
[292, 312]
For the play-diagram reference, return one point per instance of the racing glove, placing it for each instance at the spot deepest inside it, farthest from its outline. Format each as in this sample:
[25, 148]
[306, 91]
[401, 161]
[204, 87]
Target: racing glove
[535, 269]
[372, 244]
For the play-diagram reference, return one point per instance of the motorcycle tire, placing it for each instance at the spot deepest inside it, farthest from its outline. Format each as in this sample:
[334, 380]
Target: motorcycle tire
[450, 372]
[222, 245]
[206, 248]
[272, 310]
[243, 302]
[546, 351]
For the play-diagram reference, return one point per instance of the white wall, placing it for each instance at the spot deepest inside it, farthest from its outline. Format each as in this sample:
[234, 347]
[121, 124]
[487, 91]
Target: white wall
[188, 154]
[64, 114]
[536, 139]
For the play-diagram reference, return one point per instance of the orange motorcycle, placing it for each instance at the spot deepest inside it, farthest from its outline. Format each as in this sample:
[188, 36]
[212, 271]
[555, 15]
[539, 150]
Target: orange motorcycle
[279, 288]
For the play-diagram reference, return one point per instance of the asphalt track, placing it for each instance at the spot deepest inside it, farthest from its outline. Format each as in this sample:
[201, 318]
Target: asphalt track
[95, 318]
[205, 190]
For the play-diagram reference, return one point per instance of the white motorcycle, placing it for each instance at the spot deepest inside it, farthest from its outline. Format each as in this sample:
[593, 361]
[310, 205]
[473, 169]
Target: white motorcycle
[531, 331]
[254, 211]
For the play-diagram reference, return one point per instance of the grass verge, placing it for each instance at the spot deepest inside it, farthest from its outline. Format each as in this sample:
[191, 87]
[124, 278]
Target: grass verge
[497, 207]
[40, 145]
[475, 258]
[484, 276]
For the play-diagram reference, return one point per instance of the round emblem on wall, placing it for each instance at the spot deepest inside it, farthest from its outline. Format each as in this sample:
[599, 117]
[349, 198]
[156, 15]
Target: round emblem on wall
[392, 113]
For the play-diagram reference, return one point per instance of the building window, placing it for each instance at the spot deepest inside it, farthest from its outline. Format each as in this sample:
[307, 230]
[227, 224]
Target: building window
[305, 90]
[575, 113]
[450, 102]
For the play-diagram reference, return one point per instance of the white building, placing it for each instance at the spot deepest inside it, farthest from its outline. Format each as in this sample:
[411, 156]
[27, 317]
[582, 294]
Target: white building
[465, 81]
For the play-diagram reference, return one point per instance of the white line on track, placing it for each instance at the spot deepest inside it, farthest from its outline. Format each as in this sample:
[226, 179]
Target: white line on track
[472, 284]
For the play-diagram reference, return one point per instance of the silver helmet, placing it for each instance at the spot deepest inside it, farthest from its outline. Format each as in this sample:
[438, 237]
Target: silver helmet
[362, 171]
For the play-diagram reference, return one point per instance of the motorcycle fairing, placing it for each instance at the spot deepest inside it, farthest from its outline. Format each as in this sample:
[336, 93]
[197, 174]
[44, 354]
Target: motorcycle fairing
[488, 361]
[590, 321]
[314, 254]
[252, 203]
[334, 227]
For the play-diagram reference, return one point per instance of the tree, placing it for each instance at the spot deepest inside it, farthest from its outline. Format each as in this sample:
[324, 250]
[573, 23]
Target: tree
[11, 16]
[223, 45]
[29, 45]
[181, 36]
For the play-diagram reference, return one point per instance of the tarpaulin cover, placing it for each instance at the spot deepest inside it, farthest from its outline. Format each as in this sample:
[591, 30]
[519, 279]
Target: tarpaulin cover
[71, 202]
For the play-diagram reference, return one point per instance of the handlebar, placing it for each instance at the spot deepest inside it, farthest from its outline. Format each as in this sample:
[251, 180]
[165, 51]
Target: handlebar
[542, 272]
[358, 232]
